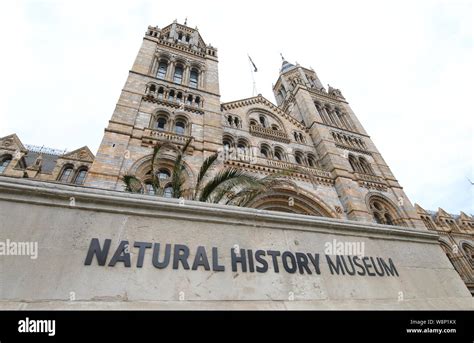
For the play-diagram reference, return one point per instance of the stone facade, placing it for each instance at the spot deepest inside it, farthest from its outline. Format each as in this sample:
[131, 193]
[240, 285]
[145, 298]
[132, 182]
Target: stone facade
[456, 239]
[40, 163]
[61, 278]
[172, 95]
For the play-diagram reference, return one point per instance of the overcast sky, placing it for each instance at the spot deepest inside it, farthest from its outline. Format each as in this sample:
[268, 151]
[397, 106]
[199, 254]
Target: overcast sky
[406, 69]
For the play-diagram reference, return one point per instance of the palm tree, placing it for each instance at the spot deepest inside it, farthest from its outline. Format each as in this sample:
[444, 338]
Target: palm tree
[230, 186]
[133, 184]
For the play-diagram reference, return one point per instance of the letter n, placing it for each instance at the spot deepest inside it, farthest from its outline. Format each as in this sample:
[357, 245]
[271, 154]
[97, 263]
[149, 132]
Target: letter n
[94, 249]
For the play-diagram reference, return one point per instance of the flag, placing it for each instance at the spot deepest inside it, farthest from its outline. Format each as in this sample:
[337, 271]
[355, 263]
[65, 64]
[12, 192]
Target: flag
[253, 64]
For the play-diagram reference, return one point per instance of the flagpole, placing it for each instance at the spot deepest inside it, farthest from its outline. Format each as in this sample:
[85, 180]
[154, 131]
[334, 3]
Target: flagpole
[252, 72]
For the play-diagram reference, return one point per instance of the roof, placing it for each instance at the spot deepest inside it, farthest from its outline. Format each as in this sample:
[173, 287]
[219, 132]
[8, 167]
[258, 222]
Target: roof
[48, 163]
[285, 66]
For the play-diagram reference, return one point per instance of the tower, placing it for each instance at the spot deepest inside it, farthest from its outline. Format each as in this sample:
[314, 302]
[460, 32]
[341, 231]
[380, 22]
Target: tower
[366, 187]
[171, 95]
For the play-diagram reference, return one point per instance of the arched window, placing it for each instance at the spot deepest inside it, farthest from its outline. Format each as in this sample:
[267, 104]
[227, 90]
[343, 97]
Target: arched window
[160, 124]
[193, 78]
[168, 191]
[152, 88]
[279, 154]
[164, 174]
[80, 176]
[227, 142]
[469, 251]
[171, 96]
[162, 68]
[189, 100]
[180, 36]
[178, 74]
[295, 134]
[149, 189]
[180, 127]
[301, 137]
[354, 164]
[241, 146]
[366, 168]
[179, 97]
[428, 223]
[312, 161]
[229, 120]
[236, 122]
[263, 121]
[299, 158]
[330, 114]
[161, 92]
[253, 122]
[4, 162]
[265, 151]
[197, 101]
[383, 212]
[66, 174]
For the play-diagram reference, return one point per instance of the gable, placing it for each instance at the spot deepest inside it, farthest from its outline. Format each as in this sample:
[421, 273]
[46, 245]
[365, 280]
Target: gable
[259, 102]
[420, 210]
[81, 154]
[12, 142]
[443, 214]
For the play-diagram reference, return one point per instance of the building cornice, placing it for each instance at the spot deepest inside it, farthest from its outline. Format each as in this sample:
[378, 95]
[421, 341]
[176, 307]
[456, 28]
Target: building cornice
[58, 195]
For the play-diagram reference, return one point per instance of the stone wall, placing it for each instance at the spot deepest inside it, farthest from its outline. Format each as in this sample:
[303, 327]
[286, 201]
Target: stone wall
[64, 219]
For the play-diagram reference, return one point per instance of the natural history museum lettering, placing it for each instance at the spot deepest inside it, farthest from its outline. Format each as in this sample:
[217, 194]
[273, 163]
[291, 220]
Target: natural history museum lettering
[177, 256]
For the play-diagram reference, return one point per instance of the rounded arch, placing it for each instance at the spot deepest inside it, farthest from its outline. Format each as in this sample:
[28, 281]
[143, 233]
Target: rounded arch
[66, 173]
[449, 251]
[467, 248]
[365, 165]
[151, 87]
[354, 163]
[254, 114]
[181, 124]
[182, 61]
[160, 120]
[142, 167]
[164, 56]
[279, 153]
[384, 210]
[80, 175]
[5, 161]
[244, 141]
[162, 111]
[293, 200]
[300, 158]
[266, 150]
[228, 140]
[312, 160]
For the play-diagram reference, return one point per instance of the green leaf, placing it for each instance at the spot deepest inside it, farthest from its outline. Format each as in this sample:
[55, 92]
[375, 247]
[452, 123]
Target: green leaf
[132, 184]
[206, 165]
